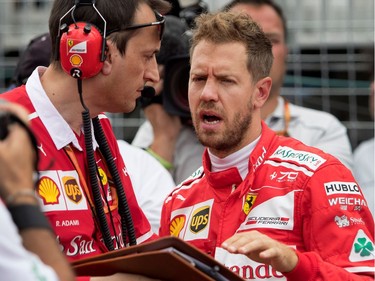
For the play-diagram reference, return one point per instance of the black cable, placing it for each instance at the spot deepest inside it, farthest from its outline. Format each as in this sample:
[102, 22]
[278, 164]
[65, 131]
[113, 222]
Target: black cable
[93, 173]
[126, 218]
[110, 214]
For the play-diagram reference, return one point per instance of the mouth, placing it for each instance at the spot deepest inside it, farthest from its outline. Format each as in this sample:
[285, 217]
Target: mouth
[139, 91]
[210, 118]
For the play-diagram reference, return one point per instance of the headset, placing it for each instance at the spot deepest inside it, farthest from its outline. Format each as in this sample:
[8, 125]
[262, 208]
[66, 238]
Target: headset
[82, 53]
[82, 45]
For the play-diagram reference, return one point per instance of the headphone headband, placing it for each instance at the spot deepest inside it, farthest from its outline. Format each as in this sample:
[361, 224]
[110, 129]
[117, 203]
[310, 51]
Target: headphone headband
[83, 41]
[84, 2]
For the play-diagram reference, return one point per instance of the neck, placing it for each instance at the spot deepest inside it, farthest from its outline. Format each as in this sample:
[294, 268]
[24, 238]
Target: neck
[238, 159]
[253, 132]
[62, 91]
[269, 106]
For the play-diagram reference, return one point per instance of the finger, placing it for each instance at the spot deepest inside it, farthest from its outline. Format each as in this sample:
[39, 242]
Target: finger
[230, 241]
[270, 253]
[250, 235]
[237, 241]
[252, 246]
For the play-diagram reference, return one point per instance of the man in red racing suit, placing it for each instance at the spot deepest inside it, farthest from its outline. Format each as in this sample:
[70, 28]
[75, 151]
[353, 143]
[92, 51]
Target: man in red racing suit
[293, 193]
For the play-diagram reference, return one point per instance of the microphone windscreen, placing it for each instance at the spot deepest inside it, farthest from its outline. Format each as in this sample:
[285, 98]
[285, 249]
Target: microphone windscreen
[148, 92]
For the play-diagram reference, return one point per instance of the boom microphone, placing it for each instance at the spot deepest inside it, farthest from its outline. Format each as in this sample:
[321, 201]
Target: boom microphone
[148, 92]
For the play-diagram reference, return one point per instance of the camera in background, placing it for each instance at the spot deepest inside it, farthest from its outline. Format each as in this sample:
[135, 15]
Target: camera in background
[174, 55]
[175, 95]
[191, 10]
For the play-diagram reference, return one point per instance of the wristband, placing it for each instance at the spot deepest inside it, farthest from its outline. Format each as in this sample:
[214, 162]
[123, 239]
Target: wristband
[28, 216]
[20, 193]
[168, 165]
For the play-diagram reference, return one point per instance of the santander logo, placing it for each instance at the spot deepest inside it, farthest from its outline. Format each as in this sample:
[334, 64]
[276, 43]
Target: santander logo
[246, 268]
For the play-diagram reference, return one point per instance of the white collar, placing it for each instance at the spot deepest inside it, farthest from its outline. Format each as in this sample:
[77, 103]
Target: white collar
[57, 127]
[238, 159]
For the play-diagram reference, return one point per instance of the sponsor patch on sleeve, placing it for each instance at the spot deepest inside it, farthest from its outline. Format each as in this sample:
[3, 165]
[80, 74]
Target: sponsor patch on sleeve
[338, 187]
[362, 249]
[308, 159]
[246, 268]
[192, 222]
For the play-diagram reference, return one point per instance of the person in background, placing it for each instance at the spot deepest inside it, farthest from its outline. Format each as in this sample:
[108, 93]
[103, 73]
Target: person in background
[325, 132]
[84, 188]
[37, 53]
[151, 181]
[266, 206]
[364, 161]
[28, 247]
[164, 135]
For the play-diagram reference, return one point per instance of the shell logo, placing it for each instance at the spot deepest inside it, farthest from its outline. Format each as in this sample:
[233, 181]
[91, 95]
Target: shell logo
[76, 60]
[48, 191]
[177, 225]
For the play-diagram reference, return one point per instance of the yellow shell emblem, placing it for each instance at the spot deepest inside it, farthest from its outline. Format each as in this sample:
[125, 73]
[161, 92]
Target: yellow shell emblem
[48, 191]
[76, 60]
[177, 225]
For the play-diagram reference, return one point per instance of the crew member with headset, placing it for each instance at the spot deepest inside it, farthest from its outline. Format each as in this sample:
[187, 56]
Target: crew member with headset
[104, 54]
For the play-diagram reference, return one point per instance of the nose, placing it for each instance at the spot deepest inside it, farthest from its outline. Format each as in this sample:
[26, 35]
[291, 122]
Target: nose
[209, 91]
[152, 72]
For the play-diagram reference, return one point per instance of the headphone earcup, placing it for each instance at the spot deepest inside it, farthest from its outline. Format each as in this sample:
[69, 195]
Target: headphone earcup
[80, 50]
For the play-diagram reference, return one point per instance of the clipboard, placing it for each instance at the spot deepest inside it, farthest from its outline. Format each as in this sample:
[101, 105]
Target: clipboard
[167, 258]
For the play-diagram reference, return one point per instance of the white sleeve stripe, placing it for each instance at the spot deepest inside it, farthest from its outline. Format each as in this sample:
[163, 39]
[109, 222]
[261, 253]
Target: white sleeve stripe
[360, 269]
[291, 166]
[33, 116]
[144, 237]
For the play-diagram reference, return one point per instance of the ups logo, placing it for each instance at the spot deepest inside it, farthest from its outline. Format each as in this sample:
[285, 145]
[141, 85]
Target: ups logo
[199, 219]
[72, 189]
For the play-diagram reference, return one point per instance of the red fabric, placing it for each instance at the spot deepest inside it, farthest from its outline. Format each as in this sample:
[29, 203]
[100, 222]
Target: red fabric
[62, 195]
[83, 278]
[296, 194]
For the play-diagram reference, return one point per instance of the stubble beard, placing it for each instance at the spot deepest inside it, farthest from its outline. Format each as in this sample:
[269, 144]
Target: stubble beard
[231, 137]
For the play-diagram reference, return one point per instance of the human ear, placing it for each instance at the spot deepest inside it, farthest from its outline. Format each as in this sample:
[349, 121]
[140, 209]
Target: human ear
[107, 65]
[263, 88]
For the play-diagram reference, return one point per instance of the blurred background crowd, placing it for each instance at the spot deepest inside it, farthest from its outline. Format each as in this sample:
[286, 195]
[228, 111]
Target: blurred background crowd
[330, 63]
